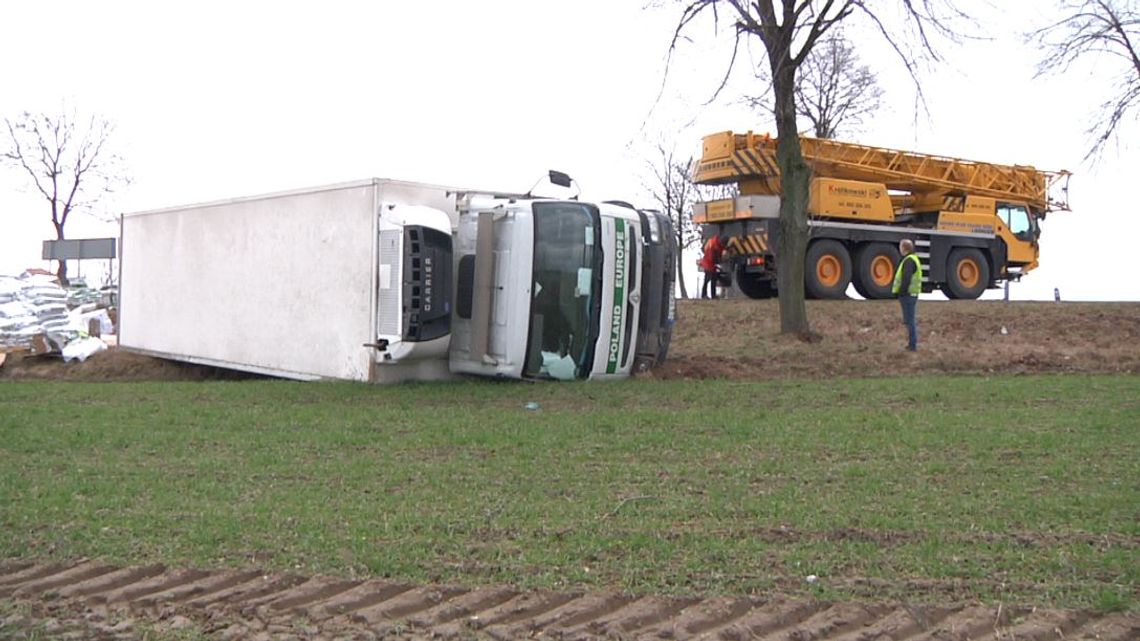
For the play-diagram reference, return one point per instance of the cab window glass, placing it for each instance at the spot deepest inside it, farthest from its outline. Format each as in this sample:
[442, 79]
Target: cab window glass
[1016, 217]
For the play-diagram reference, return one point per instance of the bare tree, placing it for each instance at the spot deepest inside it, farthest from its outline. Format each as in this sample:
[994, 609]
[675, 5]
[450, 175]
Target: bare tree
[675, 193]
[789, 35]
[68, 162]
[834, 90]
[1108, 31]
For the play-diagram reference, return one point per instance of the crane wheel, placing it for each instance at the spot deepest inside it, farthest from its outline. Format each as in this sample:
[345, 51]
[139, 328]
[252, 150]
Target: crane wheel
[827, 270]
[754, 287]
[967, 273]
[875, 265]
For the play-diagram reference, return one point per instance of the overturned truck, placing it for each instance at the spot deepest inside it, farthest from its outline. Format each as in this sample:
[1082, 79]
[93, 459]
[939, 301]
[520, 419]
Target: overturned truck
[383, 280]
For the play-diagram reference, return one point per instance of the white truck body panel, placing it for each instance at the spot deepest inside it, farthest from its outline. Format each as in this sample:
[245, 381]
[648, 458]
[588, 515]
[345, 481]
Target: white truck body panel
[286, 284]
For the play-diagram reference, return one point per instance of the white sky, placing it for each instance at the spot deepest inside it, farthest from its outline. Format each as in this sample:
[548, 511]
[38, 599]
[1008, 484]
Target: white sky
[220, 99]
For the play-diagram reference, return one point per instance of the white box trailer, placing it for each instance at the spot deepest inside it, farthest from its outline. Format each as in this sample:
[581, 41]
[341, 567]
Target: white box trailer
[382, 281]
[287, 284]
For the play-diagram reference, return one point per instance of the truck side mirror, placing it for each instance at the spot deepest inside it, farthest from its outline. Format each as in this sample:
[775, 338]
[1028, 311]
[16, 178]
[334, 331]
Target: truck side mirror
[561, 179]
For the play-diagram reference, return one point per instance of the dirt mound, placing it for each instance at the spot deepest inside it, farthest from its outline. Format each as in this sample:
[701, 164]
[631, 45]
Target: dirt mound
[112, 365]
[740, 339]
[90, 600]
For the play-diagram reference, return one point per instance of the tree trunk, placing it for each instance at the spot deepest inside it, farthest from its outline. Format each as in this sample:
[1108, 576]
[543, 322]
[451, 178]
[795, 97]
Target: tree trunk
[61, 272]
[795, 176]
[681, 272]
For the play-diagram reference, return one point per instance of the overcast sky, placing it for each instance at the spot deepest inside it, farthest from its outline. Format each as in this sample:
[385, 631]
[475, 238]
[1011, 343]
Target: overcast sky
[220, 99]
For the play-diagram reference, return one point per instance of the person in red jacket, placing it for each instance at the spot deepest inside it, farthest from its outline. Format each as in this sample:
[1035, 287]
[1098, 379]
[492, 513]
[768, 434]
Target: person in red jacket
[709, 264]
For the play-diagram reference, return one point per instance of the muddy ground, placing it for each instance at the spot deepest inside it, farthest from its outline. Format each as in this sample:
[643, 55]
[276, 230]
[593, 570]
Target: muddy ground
[713, 339]
[740, 339]
[89, 600]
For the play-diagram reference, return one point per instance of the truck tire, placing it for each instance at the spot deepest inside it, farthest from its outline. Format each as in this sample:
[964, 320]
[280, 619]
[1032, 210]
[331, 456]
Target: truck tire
[827, 270]
[753, 286]
[967, 273]
[875, 265]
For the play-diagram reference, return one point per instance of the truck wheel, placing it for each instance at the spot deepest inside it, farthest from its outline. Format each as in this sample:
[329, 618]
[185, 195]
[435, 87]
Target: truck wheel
[875, 265]
[827, 270]
[967, 273]
[753, 286]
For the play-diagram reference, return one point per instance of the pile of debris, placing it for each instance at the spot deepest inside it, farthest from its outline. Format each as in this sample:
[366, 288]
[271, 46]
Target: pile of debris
[39, 316]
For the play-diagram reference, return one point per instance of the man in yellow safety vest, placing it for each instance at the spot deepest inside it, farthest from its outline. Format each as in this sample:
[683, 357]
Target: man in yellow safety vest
[907, 286]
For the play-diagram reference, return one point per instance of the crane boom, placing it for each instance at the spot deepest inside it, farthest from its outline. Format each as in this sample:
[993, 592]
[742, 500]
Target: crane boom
[751, 159]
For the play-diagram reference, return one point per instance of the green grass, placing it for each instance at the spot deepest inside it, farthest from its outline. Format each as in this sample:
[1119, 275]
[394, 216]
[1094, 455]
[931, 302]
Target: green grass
[1023, 489]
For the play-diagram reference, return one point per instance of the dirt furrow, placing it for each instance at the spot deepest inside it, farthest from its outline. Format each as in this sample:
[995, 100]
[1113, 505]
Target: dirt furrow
[973, 622]
[899, 623]
[33, 572]
[523, 607]
[1111, 628]
[262, 587]
[1046, 625]
[80, 572]
[362, 597]
[204, 586]
[462, 606]
[637, 615]
[709, 614]
[311, 592]
[146, 587]
[88, 600]
[764, 620]
[111, 581]
[405, 603]
[588, 607]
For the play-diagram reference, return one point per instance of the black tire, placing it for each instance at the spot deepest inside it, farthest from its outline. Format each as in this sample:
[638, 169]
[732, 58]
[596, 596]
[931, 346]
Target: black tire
[827, 269]
[967, 273]
[875, 265]
[753, 286]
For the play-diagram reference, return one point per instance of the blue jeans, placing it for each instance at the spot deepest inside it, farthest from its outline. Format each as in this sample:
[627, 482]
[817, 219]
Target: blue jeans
[910, 319]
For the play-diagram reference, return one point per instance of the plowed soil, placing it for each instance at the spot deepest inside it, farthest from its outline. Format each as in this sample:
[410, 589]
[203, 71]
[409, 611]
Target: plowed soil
[89, 600]
[713, 339]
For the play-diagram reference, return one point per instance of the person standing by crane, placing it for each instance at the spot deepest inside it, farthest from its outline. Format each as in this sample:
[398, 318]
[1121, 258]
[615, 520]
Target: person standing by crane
[907, 286]
[710, 265]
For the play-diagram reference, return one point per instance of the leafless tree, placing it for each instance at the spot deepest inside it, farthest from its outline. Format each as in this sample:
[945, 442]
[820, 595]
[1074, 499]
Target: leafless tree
[674, 192]
[1106, 30]
[67, 161]
[834, 90]
[789, 33]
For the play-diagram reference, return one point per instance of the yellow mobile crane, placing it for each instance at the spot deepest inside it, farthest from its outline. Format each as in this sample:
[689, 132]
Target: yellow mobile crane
[974, 224]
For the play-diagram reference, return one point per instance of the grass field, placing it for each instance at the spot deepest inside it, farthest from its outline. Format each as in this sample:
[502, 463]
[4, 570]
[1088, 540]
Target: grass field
[1019, 489]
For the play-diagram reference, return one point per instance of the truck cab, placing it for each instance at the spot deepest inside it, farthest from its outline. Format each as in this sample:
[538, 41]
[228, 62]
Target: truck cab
[557, 289]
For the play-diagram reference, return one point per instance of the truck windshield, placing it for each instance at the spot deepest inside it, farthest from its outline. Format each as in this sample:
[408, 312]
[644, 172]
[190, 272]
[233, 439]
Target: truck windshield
[565, 292]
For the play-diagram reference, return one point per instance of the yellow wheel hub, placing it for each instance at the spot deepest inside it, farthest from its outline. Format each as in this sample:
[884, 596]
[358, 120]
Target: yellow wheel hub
[882, 271]
[969, 273]
[828, 270]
